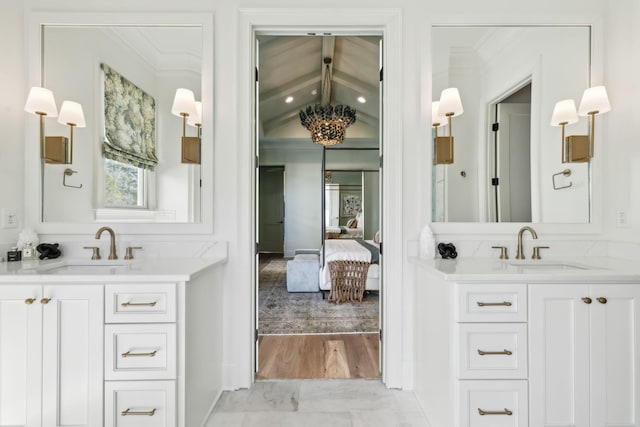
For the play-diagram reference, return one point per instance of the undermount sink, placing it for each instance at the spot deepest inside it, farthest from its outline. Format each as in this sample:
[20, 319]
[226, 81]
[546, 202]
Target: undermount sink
[83, 268]
[546, 265]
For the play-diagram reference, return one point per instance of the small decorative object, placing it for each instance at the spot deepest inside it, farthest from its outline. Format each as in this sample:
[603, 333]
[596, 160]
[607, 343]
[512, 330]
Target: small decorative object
[14, 255]
[27, 242]
[48, 250]
[28, 252]
[447, 250]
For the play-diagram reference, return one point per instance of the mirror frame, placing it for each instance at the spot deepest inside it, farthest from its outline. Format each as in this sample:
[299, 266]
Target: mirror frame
[479, 229]
[34, 42]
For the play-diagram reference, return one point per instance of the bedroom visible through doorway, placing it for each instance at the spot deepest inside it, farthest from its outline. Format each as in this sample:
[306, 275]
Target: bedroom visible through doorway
[299, 333]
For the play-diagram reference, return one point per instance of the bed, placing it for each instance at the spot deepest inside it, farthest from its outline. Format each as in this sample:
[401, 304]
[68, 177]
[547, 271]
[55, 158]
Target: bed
[342, 232]
[353, 250]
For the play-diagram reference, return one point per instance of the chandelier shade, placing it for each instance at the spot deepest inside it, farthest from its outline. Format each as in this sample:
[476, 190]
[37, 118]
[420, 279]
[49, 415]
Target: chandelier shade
[327, 122]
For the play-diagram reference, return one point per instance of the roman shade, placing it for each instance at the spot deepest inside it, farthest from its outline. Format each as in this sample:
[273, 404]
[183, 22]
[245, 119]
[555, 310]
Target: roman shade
[129, 122]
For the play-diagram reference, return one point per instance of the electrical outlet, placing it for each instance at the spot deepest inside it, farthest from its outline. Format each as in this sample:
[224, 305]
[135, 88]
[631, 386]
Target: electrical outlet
[622, 219]
[9, 218]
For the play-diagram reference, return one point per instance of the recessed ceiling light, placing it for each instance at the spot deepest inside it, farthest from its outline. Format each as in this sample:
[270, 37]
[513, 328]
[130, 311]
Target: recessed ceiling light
[314, 92]
[288, 99]
[361, 99]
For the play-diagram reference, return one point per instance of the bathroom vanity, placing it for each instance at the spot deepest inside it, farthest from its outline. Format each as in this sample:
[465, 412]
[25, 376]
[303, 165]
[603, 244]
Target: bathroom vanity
[528, 343]
[113, 343]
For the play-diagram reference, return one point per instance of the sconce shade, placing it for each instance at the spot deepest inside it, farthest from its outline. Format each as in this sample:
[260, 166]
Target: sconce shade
[594, 101]
[450, 103]
[564, 113]
[436, 118]
[71, 114]
[196, 119]
[41, 101]
[184, 103]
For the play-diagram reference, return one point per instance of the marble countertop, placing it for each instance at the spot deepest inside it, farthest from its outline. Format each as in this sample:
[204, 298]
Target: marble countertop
[74, 270]
[560, 270]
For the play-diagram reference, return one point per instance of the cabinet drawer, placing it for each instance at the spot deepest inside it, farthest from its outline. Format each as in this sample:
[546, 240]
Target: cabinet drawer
[492, 350]
[493, 403]
[137, 352]
[492, 303]
[149, 303]
[140, 404]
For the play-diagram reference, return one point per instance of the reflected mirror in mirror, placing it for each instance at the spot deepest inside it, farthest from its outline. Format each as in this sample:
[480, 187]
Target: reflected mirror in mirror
[505, 150]
[127, 160]
[351, 204]
[351, 193]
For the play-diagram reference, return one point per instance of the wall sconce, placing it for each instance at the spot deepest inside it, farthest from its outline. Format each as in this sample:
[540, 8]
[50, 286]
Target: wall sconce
[54, 149]
[450, 105]
[580, 148]
[441, 151]
[184, 105]
[71, 114]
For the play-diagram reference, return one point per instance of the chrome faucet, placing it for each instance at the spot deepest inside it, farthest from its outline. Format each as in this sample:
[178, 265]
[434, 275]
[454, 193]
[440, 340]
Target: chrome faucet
[519, 253]
[112, 248]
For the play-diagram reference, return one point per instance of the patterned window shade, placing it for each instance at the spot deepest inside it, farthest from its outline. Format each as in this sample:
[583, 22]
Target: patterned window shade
[129, 122]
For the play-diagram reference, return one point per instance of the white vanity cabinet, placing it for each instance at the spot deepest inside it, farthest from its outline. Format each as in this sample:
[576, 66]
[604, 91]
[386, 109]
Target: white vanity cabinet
[51, 355]
[141, 348]
[584, 365]
[471, 352]
[140, 354]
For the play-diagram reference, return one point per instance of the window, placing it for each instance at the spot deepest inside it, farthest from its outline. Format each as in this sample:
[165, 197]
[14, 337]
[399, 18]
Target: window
[124, 186]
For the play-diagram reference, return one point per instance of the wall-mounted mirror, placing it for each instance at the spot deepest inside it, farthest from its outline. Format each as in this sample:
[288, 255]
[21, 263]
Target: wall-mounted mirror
[506, 151]
[351, 193]
[150, 62]
[351, 204]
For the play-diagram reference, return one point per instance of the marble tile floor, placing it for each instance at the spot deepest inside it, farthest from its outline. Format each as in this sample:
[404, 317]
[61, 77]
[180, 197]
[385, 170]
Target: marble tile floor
[318, 403]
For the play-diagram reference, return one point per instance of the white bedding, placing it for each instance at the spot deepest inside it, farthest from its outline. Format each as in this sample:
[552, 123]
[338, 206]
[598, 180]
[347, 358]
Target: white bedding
[345, 249]
[338, 233]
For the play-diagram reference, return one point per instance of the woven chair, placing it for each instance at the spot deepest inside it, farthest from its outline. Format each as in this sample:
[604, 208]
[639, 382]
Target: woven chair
[348, 280]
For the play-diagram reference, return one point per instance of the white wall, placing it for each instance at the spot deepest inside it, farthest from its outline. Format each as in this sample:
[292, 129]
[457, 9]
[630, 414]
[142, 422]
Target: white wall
[12, 87]
[620, 148]
[408, 168]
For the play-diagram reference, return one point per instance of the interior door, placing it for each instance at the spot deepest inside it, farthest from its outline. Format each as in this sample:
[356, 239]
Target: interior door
[512, 156]
[271, 209]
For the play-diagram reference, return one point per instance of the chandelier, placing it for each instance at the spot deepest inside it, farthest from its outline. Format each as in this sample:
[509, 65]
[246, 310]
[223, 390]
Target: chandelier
[327, 122]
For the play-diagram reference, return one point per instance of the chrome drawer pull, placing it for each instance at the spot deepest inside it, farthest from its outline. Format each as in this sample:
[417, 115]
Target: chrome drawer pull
[484, 353]
[129, 354]
[505, 412]
[489, 304]
[128, 411]
[149, 304]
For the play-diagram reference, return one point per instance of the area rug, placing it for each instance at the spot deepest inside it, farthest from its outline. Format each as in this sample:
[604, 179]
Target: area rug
[282, 312]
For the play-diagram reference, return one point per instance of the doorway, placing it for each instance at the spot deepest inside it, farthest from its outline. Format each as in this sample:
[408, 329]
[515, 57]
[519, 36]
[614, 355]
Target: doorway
[510, 157]
[281, 139]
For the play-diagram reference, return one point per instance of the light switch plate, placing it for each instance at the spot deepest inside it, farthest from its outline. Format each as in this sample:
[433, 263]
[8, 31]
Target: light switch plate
[9, 218]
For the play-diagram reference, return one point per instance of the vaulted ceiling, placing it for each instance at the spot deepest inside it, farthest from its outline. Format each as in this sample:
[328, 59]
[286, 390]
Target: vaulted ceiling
[292, 66]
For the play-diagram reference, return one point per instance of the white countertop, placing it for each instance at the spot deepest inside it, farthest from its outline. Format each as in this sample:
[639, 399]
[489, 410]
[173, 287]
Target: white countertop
[562, 270]
[73, 270]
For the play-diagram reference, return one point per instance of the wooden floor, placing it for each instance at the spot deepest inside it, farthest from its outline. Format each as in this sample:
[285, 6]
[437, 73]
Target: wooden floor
[318, 356]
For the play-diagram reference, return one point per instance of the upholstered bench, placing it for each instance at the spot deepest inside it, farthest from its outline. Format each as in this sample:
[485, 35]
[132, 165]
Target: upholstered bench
[303, 271]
